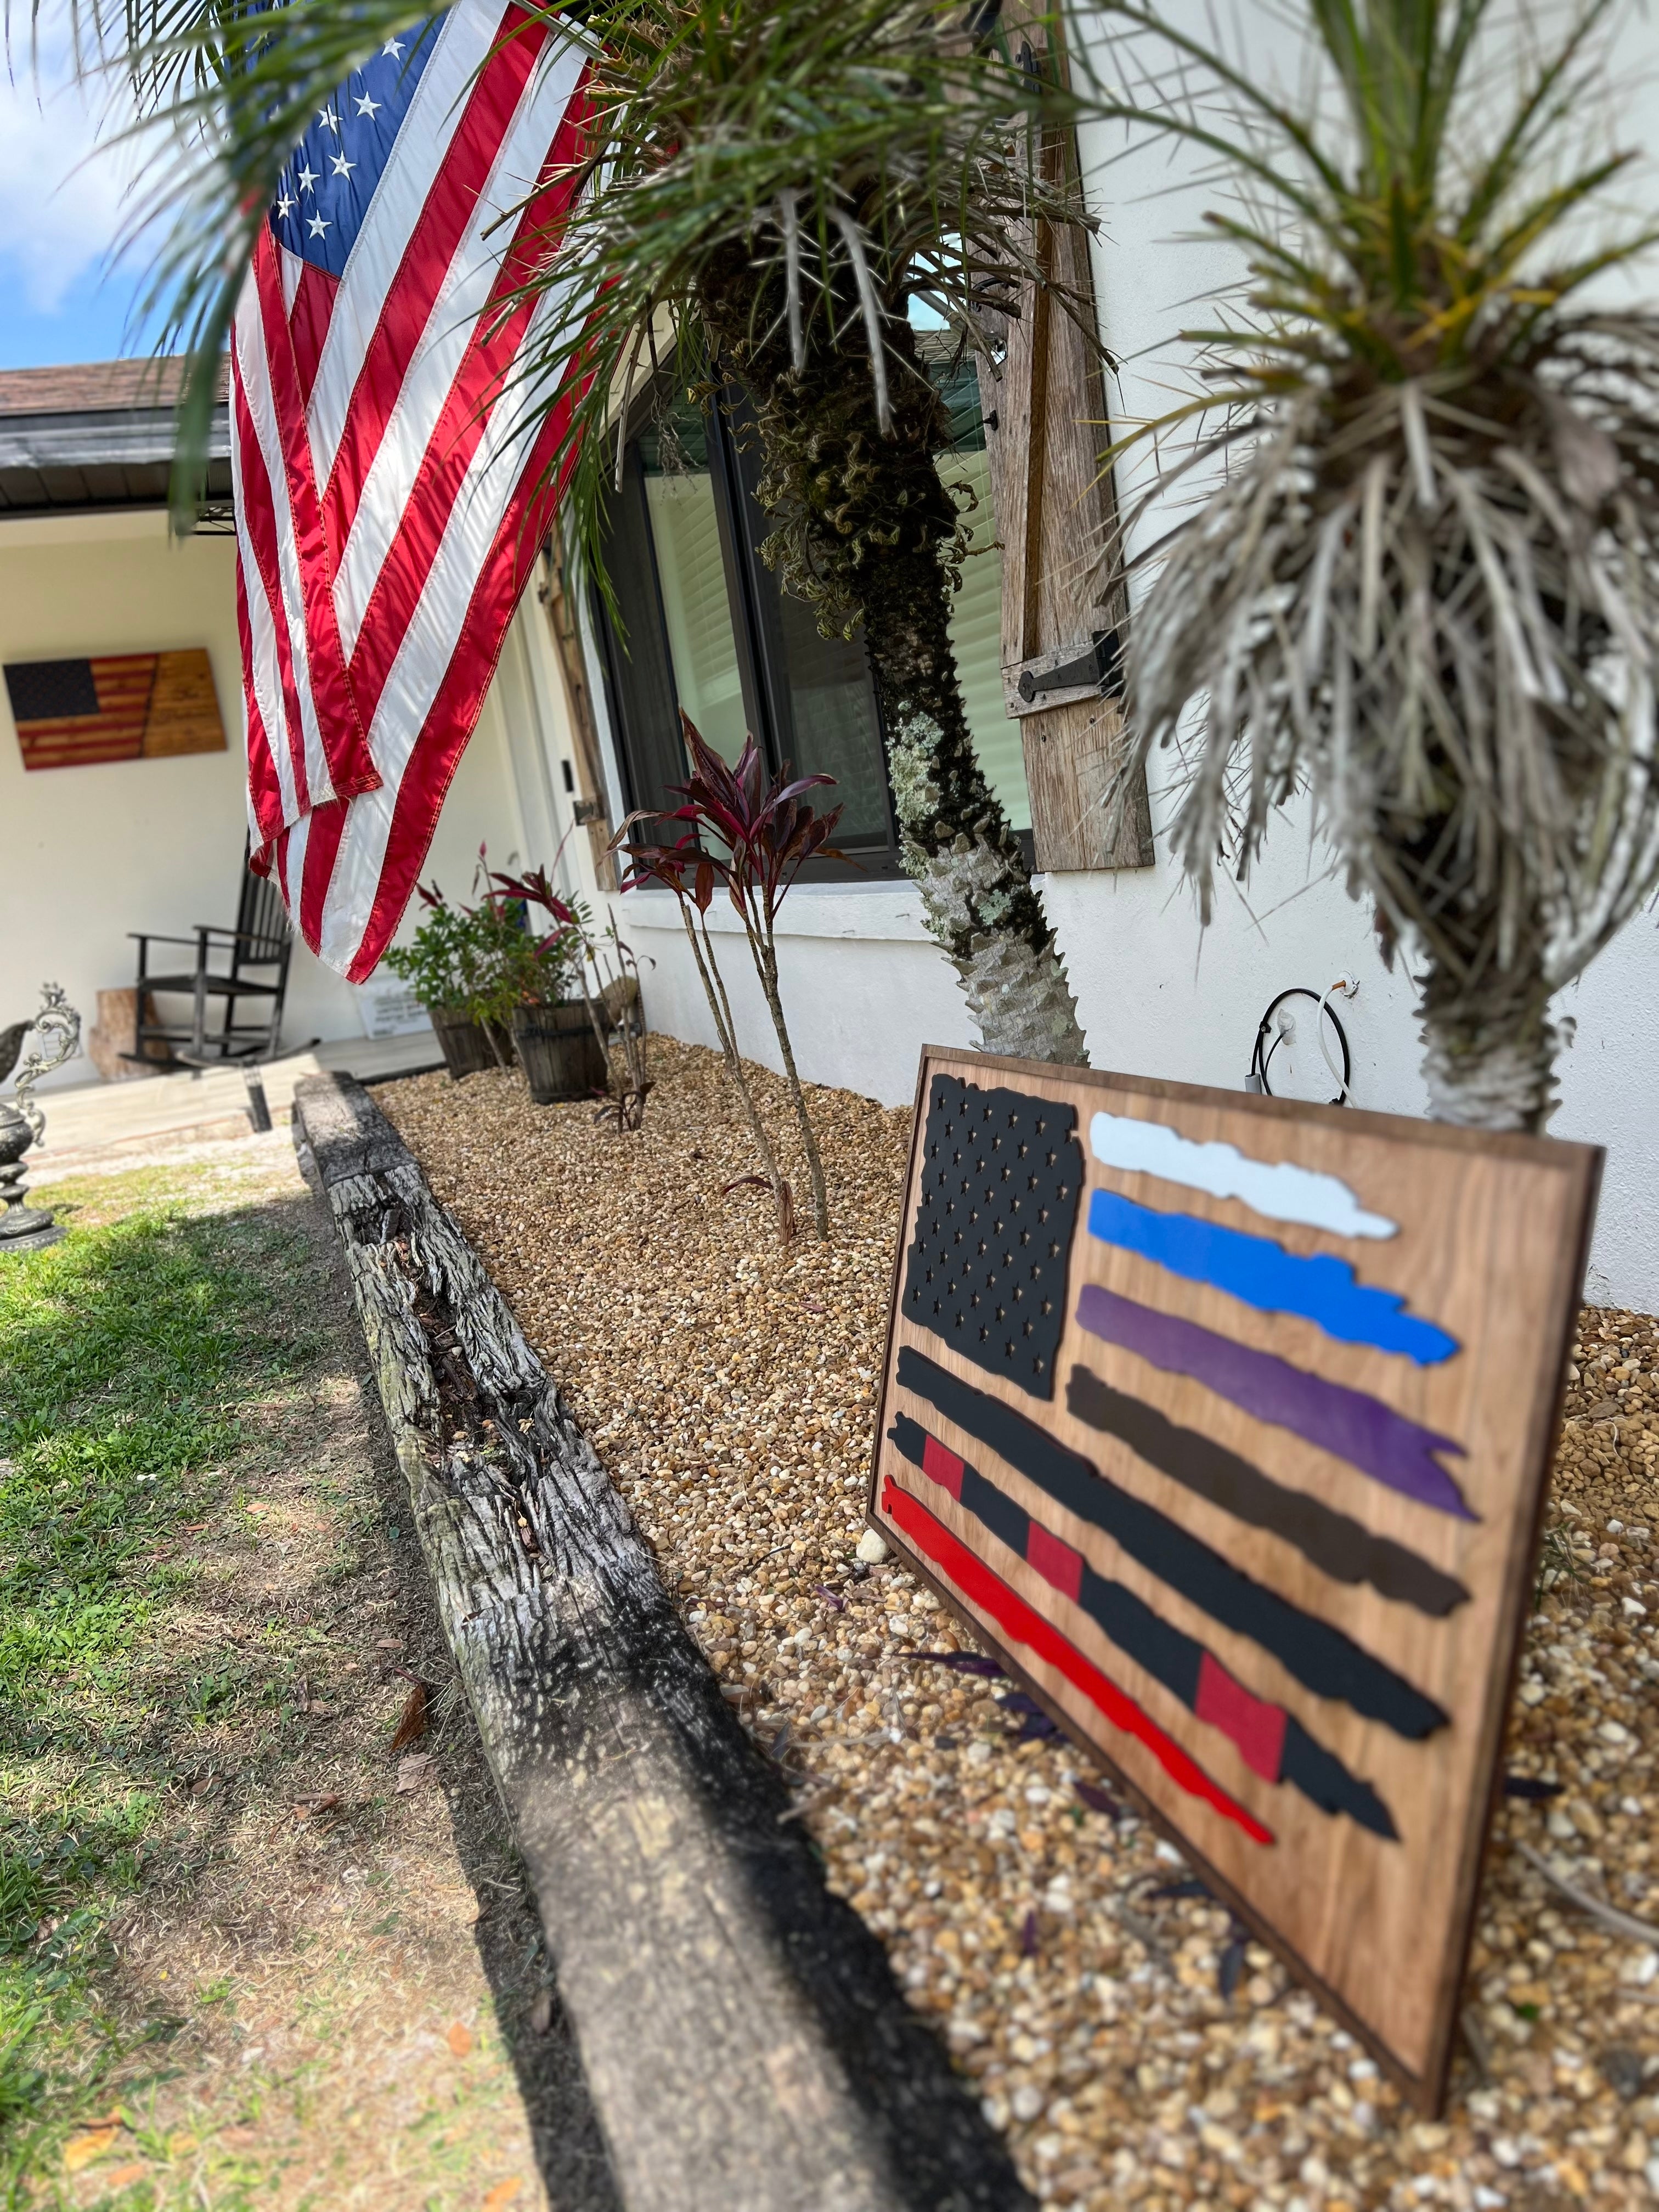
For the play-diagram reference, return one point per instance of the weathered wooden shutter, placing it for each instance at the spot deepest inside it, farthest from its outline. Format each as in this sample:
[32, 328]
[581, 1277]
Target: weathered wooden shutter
[1046, 425]
[590, 809]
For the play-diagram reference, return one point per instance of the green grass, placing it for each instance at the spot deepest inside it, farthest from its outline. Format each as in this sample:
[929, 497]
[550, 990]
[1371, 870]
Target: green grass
[132, 1357]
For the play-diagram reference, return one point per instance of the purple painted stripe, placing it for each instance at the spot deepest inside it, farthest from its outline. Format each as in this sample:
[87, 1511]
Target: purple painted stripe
[1356, 1427]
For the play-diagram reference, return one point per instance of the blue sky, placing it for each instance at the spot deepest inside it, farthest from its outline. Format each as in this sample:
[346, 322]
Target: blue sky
[63, 197]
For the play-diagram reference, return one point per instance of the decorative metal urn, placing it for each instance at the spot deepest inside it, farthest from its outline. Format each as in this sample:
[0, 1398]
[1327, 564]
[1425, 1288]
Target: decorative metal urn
[26, 1228]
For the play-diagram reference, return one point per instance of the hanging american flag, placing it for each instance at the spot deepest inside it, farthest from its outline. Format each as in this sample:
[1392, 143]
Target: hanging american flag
[390, 451]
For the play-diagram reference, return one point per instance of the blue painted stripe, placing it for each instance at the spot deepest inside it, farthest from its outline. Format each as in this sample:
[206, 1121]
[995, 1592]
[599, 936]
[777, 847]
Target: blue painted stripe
[1320, 1289]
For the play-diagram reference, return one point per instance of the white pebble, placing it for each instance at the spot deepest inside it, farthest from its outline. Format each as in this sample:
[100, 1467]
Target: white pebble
[871, 1548]
[1027, 2101]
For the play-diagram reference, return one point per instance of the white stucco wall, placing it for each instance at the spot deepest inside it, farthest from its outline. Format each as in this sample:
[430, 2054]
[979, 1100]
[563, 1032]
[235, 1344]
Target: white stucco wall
[89, 853]
[865, 988]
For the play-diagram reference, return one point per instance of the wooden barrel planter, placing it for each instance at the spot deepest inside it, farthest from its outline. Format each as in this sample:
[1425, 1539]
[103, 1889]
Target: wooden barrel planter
[466, 1045]
[559, 1052]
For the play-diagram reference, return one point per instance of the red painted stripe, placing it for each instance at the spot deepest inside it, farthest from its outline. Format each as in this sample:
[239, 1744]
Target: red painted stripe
[1055, 1561]
[460, 700]
[941, 1466]
[308, 319]
[45, 756]
[1017, 1621]
[450, 206]
[344, 747]
[488, 363]
[259, 521]
[1258, 1729]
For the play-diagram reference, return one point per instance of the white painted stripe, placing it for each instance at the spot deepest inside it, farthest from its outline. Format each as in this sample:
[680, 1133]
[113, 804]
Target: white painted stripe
[262, 412]
[1280, 1190]
[449, 332]
[427, 648]
[470, 30]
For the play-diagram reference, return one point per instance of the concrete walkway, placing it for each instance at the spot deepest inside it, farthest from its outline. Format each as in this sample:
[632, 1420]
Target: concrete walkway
[94, 1123]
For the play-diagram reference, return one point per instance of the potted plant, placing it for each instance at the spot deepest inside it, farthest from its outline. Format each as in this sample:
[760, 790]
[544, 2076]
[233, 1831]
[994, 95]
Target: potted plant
[561, 1056]
[445, 965]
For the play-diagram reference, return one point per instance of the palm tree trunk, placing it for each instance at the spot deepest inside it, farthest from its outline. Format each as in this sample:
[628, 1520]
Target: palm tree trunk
[865, 530]
[976, 888]
[1489, 1049]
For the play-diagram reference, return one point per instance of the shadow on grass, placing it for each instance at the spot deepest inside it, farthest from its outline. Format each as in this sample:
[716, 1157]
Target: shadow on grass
[156, 1691]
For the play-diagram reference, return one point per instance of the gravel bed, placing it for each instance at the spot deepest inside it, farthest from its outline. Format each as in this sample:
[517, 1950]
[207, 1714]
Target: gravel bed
[1133, 2046]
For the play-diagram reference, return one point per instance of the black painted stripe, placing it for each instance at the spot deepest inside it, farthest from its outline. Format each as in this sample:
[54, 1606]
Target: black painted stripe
[1321, 1657]
[1168, 1654]
[1336, 1544]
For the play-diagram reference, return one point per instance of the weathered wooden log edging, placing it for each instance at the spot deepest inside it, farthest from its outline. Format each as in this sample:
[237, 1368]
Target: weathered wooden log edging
[745, 2045]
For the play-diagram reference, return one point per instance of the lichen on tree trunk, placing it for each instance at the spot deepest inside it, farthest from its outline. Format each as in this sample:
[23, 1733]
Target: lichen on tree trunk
[866, 531]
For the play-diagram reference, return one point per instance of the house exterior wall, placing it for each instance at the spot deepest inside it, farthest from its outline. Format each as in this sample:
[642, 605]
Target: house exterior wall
[89, 853]
[865, 988]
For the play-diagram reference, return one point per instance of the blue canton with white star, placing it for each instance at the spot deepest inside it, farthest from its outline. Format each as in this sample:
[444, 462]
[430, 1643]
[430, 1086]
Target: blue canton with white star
[324, 193]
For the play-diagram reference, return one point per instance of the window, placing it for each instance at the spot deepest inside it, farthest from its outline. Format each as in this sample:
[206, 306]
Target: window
[708, 631]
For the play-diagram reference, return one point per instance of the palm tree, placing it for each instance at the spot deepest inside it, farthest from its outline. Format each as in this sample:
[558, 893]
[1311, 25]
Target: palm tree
[1428, 589]
[772, 183]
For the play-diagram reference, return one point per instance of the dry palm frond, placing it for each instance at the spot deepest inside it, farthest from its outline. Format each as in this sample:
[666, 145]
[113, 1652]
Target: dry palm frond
[1427, 587]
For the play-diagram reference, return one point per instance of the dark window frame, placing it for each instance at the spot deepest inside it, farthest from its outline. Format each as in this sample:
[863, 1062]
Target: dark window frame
[752, 596]
[629, 673]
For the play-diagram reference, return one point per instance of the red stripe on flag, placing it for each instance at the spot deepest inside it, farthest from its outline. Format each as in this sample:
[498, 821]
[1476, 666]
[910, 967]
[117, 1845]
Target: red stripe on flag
[322, 846]
[308, 319]
[450, 207]
[344, 746]
[264, 793]
[941, 1466]
[1017, 1620]
[1256, 1728]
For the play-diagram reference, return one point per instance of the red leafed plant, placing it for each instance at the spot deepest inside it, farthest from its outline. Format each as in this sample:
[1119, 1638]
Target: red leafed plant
[751, 833]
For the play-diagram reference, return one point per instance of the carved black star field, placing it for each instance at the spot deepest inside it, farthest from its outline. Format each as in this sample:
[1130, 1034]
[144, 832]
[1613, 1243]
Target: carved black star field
[1000, 1180]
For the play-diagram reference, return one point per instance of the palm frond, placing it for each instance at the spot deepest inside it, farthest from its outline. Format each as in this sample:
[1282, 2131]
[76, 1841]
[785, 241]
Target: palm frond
[862, 151]
[1427, 589]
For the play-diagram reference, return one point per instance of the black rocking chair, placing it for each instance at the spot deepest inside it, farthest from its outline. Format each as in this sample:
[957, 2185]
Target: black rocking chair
[262, 942]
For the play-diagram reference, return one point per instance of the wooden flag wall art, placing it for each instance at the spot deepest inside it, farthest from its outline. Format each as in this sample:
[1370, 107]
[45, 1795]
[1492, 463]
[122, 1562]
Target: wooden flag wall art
[1225, 1421]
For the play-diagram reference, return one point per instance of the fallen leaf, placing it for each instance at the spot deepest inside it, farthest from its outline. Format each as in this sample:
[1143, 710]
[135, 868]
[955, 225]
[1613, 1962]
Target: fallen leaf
[200, 1784]
[413, 1727]
[388, 1642]
[237, 2138]
[413, 1771]
[120, 2177]
[459, 2039]
[307, 1808]
[503, 2193]
[81, 2150]
[541, 2011]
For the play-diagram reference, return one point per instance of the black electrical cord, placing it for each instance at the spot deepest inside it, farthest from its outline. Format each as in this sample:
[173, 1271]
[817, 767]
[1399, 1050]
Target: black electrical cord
[1260, 1061]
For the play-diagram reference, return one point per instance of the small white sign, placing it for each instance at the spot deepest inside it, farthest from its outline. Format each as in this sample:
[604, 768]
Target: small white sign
[387, 1007]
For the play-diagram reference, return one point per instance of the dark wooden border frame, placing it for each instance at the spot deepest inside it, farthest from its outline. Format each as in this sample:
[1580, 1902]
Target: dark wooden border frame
[1427, 2090]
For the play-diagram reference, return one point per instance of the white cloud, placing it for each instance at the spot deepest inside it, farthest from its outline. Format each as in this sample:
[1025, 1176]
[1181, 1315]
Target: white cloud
[62, 189]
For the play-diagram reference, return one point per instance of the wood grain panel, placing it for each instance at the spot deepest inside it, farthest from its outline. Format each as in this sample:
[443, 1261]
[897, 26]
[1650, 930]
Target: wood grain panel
[1491, 1243]
[183, 708]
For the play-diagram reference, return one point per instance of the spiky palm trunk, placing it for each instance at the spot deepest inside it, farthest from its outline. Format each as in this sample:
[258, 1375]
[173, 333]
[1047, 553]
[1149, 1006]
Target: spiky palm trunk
[866, 528]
